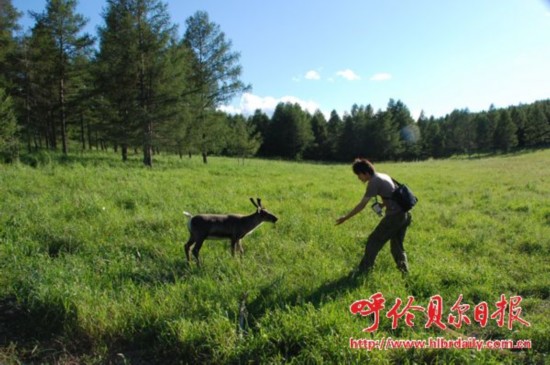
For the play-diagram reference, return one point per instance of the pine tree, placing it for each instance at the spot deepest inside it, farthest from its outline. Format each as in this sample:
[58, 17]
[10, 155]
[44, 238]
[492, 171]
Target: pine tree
[485, 129]
[346, 143]
[65, 26]
[157, 80]
[8, 43]
[38, 78]
[317, 150]
[116, 72]
[461, 138]
[260, 124]
[8, 129]
[505, 133]
[290, 131]
[432, 141]
[519, 117]
[365, 125]
[243, 141]
[140, 71]
[385, 136]
[215, 76]
[537, 130]
[334, 130]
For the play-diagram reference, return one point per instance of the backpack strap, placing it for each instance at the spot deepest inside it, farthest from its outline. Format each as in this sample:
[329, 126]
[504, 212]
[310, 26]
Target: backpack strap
[396, 182]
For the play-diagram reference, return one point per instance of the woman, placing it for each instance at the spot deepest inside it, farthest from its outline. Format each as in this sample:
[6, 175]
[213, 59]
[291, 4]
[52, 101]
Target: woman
[393, 225]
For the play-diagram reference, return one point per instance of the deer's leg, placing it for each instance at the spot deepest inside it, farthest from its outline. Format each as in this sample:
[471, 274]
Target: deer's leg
[197, 248]
[188, 245]
[241, 249]
[234, 243]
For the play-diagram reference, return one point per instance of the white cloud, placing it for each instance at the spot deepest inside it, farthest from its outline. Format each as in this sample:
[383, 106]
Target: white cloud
[229, 109]
[249, 103]
[348, 75]
[312, 75]
[415, 113]
[381, 77]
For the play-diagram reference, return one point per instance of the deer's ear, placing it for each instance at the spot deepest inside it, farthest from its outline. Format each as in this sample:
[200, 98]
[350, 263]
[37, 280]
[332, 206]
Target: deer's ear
[253, 203]
[259, 202]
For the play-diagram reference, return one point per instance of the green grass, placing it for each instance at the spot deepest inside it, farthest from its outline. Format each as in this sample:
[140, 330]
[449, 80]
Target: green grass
[92, 267]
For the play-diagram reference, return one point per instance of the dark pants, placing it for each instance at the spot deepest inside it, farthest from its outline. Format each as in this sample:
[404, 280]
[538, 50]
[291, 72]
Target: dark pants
[392, 228]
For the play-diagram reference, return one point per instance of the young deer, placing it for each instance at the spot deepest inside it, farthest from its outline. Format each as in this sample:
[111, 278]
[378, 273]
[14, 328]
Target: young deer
[221, 226]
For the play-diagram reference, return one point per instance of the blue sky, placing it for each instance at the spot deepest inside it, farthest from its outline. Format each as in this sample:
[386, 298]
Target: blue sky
[433, 55]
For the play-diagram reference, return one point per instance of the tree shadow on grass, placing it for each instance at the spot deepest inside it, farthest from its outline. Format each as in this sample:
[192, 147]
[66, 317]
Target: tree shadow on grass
[19, 321]
[48, 333]
[37, 330]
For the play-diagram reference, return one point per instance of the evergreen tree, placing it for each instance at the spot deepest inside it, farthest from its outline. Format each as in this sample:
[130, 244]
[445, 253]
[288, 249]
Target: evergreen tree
[385, 136]
[116, 73]
[8, 43]
[334, 129]
[159, 80]
[217, 138]
[8, 128]
[505, 133]
[215, 76]
[140, 71]
[178, 128]
[484, 131]
[84, 102]
[459, 130]
[242, 141]
[40, 87]
[260, 124]
[433, 141]
[404, 123]
[422, 123]
[367, 131]
[347, 143]
[363, 118]
[519, 117]
[290, 131]
[410, 141]
[486, 126]
[400, 114]
[318, 149]
[470, 132]
[537, 130]
[65, 27]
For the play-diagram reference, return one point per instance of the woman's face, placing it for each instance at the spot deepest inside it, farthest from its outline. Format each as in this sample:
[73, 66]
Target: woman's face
[363, 177]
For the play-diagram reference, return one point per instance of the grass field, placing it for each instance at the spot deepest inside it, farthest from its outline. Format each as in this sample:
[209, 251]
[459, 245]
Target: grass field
[92, 268]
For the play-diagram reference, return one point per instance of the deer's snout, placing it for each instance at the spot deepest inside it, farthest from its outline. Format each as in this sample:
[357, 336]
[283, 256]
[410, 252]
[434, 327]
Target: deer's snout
[271, 218]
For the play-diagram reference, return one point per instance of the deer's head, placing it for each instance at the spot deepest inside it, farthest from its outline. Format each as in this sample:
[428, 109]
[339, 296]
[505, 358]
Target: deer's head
[264, 214]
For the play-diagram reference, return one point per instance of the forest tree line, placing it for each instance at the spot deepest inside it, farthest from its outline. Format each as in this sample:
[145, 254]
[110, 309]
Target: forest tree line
[140, 87]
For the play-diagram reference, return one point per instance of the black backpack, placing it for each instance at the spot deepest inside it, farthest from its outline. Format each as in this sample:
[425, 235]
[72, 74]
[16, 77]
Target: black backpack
[404, 196]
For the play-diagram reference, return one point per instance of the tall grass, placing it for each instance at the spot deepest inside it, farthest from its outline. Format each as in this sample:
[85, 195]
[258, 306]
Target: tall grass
[93, 269]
